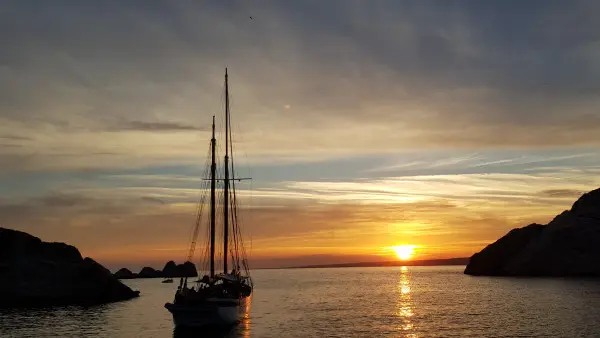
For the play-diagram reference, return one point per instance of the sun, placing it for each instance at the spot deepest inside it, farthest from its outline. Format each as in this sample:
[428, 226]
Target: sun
[404, 252]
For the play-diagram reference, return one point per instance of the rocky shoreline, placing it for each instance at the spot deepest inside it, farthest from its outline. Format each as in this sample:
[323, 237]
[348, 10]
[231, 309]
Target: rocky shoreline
[568, 246]
[36, 273]
[171, 270]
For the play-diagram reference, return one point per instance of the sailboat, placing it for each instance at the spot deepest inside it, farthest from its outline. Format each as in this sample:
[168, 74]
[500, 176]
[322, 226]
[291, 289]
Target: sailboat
[217, 298]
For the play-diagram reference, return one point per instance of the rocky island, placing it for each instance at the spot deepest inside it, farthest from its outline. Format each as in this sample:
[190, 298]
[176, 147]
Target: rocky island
[171, 270]
[36, 273]
[568, 246]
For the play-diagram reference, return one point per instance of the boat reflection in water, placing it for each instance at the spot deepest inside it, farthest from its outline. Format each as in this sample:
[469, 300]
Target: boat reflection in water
[244, 327]
[404, 310]
[212, 332]
[241, 330]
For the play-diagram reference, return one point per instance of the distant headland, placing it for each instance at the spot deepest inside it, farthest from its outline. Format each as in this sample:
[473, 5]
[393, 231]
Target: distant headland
[35, 273]
[427, 262]
[568, 246]
[171, 270]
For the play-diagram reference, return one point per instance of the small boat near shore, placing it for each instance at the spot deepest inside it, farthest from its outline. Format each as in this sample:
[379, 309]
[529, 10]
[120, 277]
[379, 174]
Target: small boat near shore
[217, 298]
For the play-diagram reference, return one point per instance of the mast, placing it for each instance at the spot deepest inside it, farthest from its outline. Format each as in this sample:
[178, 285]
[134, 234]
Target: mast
[226, 181]
[213, 170]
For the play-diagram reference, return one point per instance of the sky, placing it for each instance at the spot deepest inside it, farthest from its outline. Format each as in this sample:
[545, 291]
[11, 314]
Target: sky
[363, 124]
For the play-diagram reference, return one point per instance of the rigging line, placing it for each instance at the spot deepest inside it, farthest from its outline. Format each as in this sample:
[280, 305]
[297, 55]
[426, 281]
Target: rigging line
[200, 210]
[197, 227]
[244, 254]
[239, 135]
[251, 203]
[234, 214]
[203, 257]
[239, 221]
[194, 234]
[235, 237]
[206, 252]
[204, 191]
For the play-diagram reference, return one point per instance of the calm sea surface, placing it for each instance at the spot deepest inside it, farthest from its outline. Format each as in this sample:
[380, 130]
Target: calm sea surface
[350, 302]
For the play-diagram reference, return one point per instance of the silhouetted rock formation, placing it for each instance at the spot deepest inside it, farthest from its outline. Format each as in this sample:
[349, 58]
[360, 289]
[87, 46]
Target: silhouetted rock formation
[567, 246]
[187, 269]
[170, 269]
[125, 274]
[148, 272]
[36, 273]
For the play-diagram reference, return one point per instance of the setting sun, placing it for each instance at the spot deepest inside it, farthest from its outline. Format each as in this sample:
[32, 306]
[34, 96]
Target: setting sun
[404, 252]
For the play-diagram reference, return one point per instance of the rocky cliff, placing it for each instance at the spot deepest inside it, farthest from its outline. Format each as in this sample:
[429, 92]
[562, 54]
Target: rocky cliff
[37, 273]
[567, 246]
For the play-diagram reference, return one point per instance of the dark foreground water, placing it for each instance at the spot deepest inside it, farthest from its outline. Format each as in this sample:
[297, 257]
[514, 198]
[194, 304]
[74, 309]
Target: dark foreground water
[351, 302]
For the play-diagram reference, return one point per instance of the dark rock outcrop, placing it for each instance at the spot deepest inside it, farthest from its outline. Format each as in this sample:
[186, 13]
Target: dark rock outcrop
[36, 273]
[148, 272]
[567, 246]
[187, 269]
[125, 274]
[171, 270]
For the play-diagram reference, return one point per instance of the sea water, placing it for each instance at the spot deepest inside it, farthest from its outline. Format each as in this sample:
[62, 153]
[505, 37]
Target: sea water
[348, 302]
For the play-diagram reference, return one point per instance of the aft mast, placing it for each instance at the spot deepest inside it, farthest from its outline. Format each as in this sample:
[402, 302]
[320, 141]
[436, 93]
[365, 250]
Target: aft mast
[213, 171]
[226, 181]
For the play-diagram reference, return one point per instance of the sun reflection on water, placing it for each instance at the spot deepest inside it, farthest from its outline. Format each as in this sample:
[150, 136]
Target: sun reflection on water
[244, 325]
[404, 310]
[244, 328]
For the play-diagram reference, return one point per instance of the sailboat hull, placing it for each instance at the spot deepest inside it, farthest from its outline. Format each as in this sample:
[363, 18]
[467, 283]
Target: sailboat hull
[210, 312]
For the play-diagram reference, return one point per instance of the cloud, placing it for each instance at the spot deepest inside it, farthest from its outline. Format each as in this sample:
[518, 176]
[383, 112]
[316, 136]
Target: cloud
[360, 120]
[362, 78]
[153, 126]
[511, 195]
[490, 161]
[153, 199]
[298, 218]
[14, 137]
[568, 193]
[110, 229]
[71, 204]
